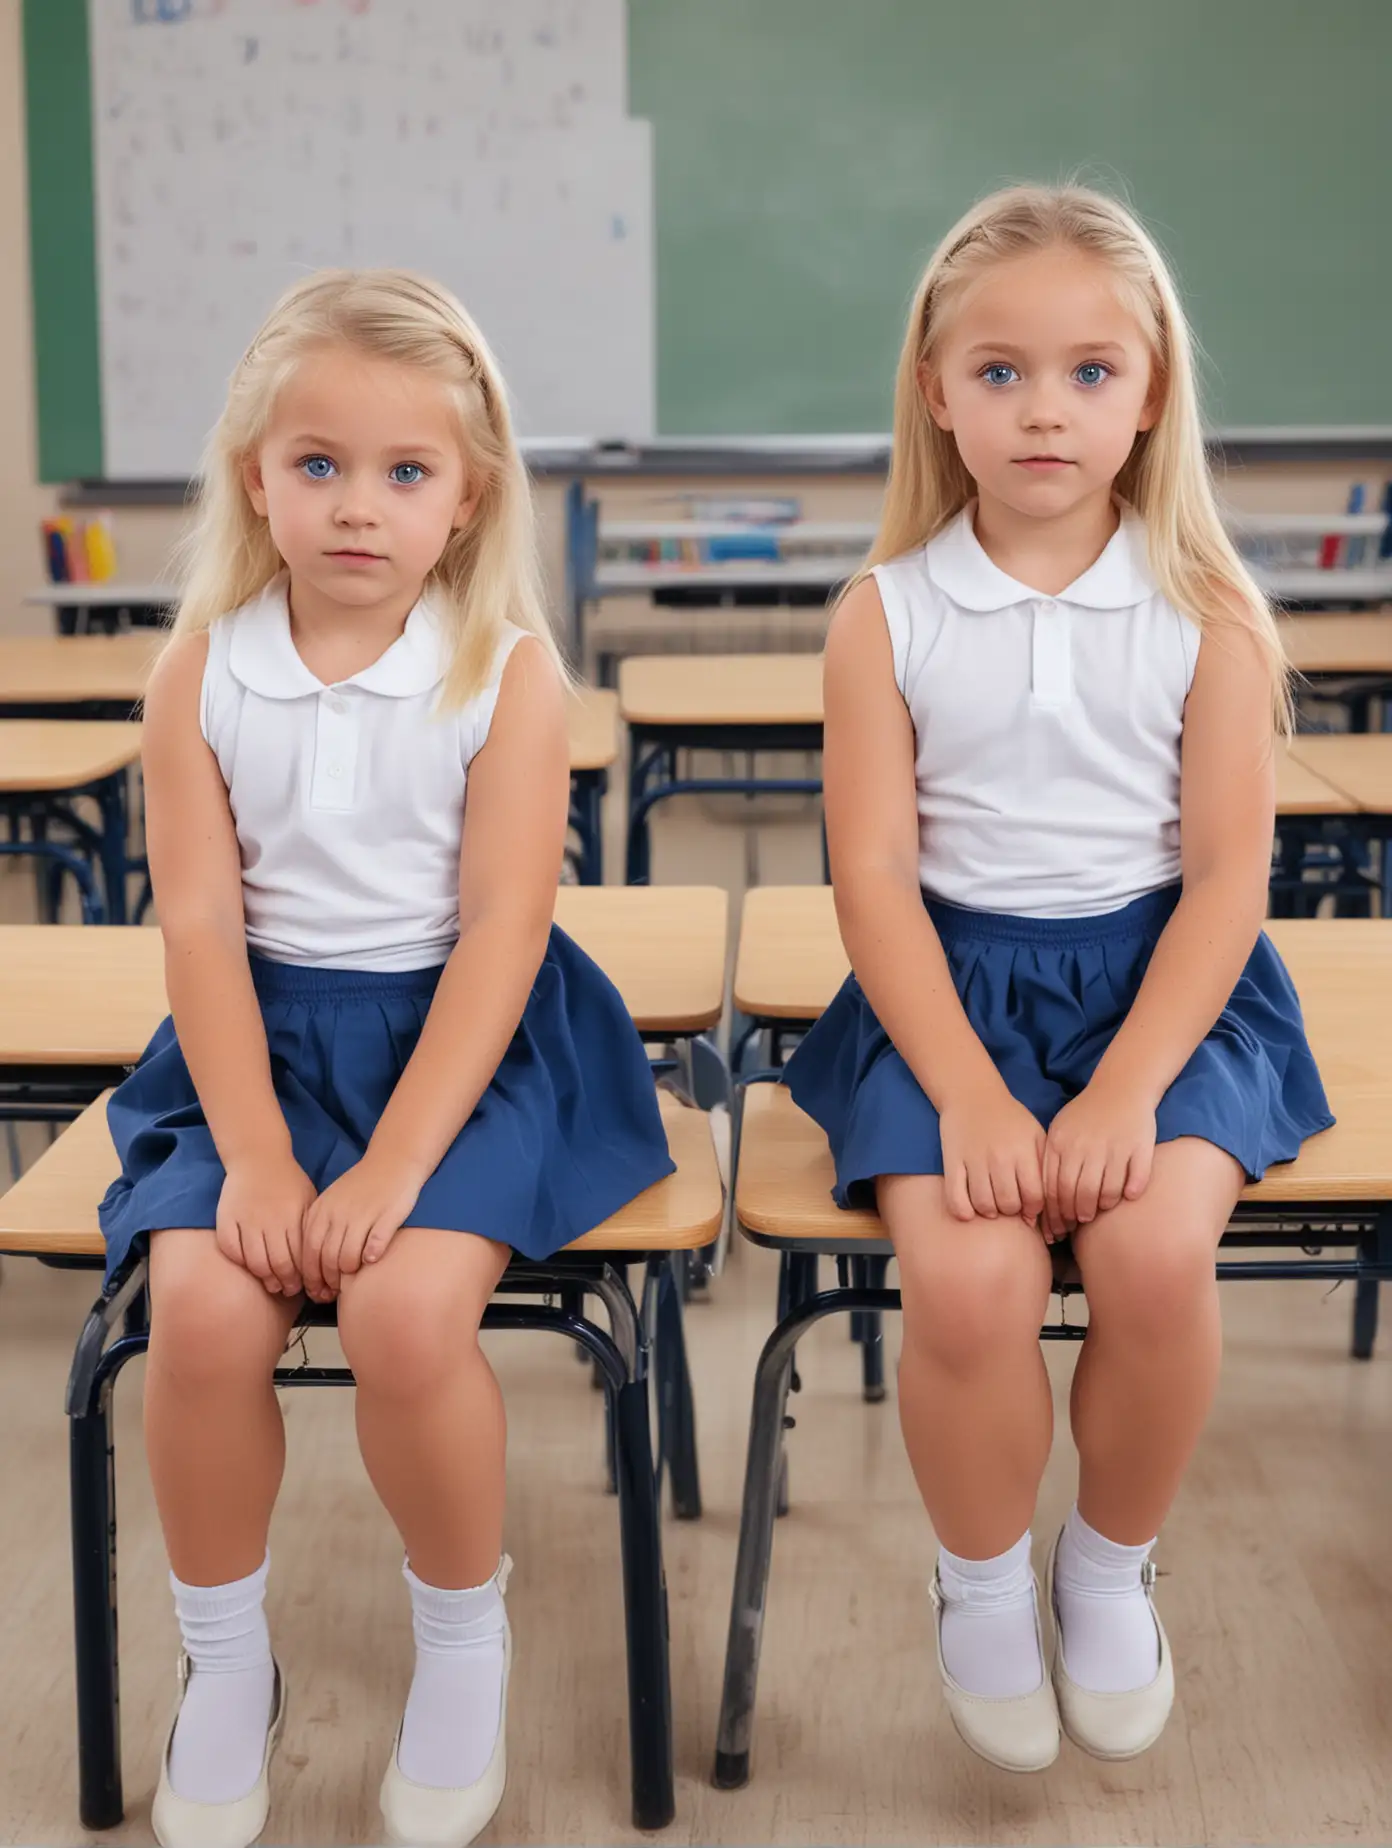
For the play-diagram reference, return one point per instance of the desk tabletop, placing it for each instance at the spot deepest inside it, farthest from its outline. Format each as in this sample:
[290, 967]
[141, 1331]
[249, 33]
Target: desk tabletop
[663, 947]
[751, 689]
[790, 960]
[49, 669]
[593, 718]
[48, 756]
[104, 596]
[1358, 764]
[1302, 788]
[1339, 642]
[87, 995]
[53, 1207]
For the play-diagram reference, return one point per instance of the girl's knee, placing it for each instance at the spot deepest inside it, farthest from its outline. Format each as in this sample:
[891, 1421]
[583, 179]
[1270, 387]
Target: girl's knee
[970, 1290]
[210, 1320]
[1148, 1280]
[403, 1330]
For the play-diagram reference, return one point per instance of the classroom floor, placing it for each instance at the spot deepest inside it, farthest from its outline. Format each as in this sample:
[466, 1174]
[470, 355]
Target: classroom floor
[1276, 1584]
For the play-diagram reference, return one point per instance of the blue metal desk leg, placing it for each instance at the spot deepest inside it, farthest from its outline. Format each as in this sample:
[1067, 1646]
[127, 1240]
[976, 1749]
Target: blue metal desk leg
[587, 791]
[1374, 1248]
[645, 766]
[111, 796]
[677, 1412]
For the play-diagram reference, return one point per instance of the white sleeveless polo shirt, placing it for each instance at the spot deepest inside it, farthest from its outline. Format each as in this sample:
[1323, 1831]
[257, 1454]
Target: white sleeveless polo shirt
[348, 799]
[1047, 729]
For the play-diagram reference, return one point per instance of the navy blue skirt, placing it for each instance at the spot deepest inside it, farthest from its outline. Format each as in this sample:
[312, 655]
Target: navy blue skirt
[1046, 997]
[567, 1132]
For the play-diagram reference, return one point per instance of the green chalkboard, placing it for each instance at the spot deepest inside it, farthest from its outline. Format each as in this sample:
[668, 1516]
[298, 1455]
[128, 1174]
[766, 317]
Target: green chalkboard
[809, 153]
[62, 243]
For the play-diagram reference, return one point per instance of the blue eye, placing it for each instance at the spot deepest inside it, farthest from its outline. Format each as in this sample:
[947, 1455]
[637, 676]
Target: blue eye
[1092, 372]
[407, 474]
[318, 468]
[999, 373]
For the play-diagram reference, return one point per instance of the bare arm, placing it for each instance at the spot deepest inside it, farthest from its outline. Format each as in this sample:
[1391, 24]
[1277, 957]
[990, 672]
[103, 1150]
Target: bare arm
[195, 868]
[510, 861]
[872, 837]
[1102, 1144]
[510, 864]
[1227, 820]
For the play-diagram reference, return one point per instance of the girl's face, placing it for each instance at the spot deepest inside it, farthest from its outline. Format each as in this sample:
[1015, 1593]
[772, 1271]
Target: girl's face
[1044, 378]
[361, 477]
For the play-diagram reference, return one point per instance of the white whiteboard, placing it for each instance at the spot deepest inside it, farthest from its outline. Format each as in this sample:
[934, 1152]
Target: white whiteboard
[240, 143]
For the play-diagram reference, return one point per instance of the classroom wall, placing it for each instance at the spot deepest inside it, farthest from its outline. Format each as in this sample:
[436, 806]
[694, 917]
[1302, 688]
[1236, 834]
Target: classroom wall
[145, 536]
[23, 503]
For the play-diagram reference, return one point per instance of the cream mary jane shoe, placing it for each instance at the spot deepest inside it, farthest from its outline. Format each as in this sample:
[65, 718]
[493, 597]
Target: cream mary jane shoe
[1019, 1733]
[180, 1823]
[1113, 1726]
[422, 1816]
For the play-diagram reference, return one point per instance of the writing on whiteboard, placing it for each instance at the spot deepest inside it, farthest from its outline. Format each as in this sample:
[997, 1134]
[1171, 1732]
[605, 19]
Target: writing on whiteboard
[483, 141]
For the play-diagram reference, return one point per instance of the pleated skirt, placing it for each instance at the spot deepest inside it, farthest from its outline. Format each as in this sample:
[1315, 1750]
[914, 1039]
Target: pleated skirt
[1046, 997]
[566, 1134]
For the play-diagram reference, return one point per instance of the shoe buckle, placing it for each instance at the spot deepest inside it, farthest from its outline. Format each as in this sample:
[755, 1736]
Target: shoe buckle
[1148, 1575]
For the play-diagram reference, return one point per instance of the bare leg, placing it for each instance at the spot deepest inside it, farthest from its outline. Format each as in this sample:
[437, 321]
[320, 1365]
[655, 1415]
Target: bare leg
[1149, 1368]
[216, 1444]
[213, 1429]
[430, 1415]
[974, 1397]
[433, 1436]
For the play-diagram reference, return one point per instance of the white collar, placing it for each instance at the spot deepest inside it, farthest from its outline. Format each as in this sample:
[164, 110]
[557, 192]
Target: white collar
[263, 656]
[1119, 579]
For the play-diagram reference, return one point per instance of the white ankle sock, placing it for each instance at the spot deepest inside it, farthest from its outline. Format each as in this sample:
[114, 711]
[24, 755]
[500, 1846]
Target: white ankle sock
[455, 1706]
[1107, 1629]
[220, 1741]
[990, 1641]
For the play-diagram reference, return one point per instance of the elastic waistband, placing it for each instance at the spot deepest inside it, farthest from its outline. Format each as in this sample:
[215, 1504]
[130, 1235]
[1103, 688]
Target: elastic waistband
[278, 981]
[1144, 916]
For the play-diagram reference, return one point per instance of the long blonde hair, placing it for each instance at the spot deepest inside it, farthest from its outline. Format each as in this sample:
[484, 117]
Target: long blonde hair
[488, 573]
[1165, 478]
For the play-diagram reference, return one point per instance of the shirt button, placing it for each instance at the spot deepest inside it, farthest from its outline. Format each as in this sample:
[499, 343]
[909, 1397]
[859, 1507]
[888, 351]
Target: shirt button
[335, 770]
[337, 703]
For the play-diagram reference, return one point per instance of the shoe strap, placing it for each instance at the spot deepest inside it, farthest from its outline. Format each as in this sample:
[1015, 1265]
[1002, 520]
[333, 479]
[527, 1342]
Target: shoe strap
[504, 1573]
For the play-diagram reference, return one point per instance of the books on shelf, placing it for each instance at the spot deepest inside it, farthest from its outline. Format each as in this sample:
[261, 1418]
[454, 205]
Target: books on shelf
[79, 551]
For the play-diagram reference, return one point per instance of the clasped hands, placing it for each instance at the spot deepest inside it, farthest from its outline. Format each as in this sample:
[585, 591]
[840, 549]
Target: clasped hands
[271, 1220]
[999, 1162]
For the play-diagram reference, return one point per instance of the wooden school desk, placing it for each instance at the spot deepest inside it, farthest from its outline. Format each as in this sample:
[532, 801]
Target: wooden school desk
[104, 677]
[79, 1006]
[738, 703]
[79, 608]
[1339, 642]
[593, 719]
[1344, 656]
[75, 677]
[46, 767]
[1359, 766]
[757, 703]
[1337, 1194]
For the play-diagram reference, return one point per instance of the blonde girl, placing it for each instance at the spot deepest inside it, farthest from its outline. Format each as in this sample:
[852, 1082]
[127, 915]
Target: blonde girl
[385, 1069]
[1051, 701]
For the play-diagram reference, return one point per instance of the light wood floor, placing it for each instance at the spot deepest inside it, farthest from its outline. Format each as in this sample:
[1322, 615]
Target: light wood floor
[1277, 1591]
[1276, 1587]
